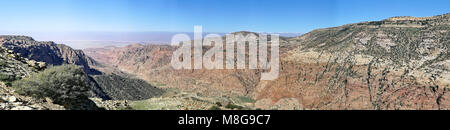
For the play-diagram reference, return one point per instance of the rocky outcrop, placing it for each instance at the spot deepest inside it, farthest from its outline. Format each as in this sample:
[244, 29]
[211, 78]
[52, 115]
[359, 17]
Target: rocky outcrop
[9, 100]
[112, 104]
[48, 52]
[13, 66]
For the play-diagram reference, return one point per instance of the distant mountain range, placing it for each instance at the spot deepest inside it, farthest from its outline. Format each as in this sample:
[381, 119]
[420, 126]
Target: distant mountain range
[82, 40]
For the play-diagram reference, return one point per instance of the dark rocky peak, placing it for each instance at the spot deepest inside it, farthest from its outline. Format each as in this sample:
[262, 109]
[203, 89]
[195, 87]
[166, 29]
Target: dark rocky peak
[409, 21]
[10, 37]
[49, 52]
[410, 18]
[245, 33]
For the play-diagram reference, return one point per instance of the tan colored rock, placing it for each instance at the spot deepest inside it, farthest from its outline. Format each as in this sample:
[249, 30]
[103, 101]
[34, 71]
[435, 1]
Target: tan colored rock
[22, 108]
[31, 63]
[12, 99]
[41, 65]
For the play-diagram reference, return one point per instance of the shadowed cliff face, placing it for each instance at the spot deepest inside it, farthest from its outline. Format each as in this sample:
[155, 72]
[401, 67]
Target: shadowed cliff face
[397, 63]
[48, 52]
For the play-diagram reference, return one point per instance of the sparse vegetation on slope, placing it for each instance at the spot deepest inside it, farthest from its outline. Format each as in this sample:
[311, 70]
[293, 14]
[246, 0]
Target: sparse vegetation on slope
[126, 88]
[66, 85]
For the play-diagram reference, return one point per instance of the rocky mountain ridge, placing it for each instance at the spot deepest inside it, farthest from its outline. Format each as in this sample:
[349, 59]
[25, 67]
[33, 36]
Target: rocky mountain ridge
[48, 52]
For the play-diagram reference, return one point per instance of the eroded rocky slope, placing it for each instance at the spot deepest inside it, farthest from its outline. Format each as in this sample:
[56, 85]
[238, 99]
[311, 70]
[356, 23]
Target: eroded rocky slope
[14, 67]
[397, 63]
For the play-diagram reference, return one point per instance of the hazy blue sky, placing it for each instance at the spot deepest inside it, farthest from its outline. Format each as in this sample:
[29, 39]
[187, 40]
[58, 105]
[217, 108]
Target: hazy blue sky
[213, 15]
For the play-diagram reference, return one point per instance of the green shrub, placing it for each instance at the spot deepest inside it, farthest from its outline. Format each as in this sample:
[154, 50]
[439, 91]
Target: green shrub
[5, 78]
[233, 106]
[219, 104]
[246, 99]
[2, 63]
[66, 85]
